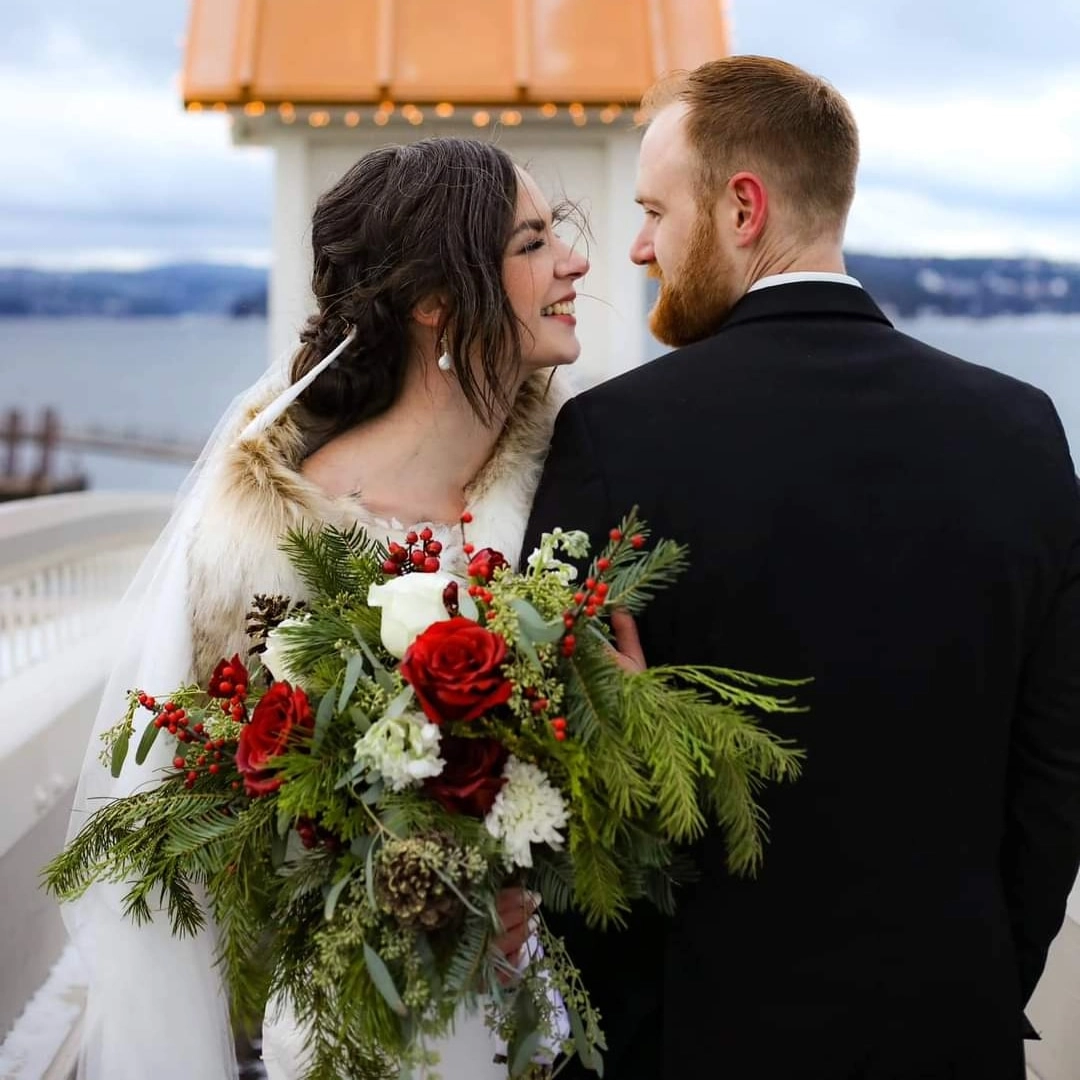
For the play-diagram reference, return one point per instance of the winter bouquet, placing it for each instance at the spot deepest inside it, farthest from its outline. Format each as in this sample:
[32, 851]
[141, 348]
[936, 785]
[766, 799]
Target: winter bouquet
[352, 796]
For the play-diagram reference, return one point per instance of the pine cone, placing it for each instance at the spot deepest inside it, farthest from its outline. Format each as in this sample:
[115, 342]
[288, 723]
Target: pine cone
[266, 613]
[408, 886]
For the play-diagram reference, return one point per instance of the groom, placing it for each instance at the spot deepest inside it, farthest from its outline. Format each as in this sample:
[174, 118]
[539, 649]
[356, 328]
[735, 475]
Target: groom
[897, 524]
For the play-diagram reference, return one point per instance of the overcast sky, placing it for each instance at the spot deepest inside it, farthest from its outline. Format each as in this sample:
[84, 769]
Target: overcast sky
[969, 112]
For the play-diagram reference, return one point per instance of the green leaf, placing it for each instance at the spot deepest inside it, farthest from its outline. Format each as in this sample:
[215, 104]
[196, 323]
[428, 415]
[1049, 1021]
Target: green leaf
[147, 741]
[120, 750]
[322, 718]
[369, 877]
[384, 983]
[399, 704]
[332, 895]
[533, 625]
[585, 1051]
[382, 676]
[524, 1053]
[353, 670]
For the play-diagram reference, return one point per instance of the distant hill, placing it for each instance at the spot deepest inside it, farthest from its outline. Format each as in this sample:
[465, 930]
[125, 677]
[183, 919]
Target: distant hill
[904, 286]
[179, 289]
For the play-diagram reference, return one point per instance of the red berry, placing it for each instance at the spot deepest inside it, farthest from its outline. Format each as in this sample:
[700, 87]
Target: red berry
[590, 611]
[530, 692]
[178, 762]
[602, 589]
[202, 760]
[172, 729]
[215, 769]
[579, 598]
[389, 567]
[559, 734]
[431, 565]
[241, 690]
[603, 564]
[235, 785]
[466, 518]
[227, 672]
[637, 542]
[434, 548]
[615, 535]
[416, 557]
[170, 706]
[182, 722]
[150, 703]
[159, 720]
[468, 548]
[189, 783]
[225, 689]
[539, 705]
[569, 642]
[488, 597]
[559, 723]
[411, 537]
[426, 535]
[590, 583]
[193, 776]
[199, 729]
[568, 620]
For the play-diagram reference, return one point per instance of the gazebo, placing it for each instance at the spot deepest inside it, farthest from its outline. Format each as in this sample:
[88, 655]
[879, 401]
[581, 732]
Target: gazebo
[555, 82]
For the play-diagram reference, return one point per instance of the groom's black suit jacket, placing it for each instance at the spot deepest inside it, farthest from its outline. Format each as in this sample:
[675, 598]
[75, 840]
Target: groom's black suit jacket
[902, 527]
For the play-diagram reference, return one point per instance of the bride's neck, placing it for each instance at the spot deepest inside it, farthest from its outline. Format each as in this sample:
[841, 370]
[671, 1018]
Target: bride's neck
[414, 461]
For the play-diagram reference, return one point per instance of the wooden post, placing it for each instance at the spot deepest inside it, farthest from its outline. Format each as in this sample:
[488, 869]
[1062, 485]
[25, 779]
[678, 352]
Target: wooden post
[50, 434]
[10, 436]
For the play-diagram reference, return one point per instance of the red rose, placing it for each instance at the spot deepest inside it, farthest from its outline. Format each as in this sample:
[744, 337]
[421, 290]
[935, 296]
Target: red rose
[230, 679]
[472, 776]
[455, 668]
[282, 709]
[485, 562]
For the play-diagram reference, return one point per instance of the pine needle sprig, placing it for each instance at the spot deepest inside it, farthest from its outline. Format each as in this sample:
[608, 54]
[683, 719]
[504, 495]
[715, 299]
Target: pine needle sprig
[334, 562]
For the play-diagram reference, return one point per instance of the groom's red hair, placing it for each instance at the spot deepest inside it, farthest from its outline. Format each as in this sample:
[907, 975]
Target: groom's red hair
[771, 118]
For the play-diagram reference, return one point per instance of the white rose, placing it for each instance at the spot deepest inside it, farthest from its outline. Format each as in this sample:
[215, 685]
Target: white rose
[273, 656]
[410, 604]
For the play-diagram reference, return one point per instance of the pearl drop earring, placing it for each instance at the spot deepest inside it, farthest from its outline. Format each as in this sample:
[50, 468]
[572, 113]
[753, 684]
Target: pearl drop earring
[446, 361]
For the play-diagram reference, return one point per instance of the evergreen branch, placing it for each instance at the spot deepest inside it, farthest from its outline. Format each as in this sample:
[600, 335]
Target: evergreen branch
[634, 582]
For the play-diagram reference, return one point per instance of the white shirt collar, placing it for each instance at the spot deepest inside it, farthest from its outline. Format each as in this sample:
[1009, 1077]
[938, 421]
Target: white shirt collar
[804, 275]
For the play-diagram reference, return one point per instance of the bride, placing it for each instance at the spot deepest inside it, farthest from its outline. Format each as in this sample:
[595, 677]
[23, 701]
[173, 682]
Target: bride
[422, 389]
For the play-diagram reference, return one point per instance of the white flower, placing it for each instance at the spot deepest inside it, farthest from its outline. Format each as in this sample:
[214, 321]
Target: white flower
[528, 810]
[410, 604]
[403, 749]
[273, 656]
[575, 543]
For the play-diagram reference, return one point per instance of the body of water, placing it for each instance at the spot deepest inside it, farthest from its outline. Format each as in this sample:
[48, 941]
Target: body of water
[172, 378]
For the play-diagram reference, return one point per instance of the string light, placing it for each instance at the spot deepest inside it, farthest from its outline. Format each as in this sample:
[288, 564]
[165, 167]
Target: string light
[580, 120]
[481, 118]
[287, 112]
[576, 109]
[352, 119]
[415, 118]
[254, 108]
[444, 110]
[194, 106]
[549, 110]
[381, 118]
[386, 106]
[510, 117]
[220, 106]
[610, 114]
[319, 119]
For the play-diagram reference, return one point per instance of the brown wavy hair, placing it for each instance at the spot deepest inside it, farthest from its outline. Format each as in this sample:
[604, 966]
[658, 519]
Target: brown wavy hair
[406, 223]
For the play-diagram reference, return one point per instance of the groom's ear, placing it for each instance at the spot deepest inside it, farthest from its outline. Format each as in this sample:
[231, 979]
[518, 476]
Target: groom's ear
[747, 207]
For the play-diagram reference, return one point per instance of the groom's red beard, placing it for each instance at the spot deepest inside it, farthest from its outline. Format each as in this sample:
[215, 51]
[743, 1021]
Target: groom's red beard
[694, 305]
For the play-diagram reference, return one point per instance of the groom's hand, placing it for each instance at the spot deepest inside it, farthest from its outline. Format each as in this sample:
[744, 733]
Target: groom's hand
[629, 654]
[515, 907]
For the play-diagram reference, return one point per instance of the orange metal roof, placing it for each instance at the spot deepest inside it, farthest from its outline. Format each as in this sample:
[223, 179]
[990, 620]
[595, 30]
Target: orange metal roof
[484, 52]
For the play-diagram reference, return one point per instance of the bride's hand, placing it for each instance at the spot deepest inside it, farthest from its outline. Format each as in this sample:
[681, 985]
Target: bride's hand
[515, 907]
[628, 652]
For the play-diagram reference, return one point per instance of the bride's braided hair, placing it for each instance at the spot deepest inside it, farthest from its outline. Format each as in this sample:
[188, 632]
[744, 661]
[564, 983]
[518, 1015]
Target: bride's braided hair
[406, 223]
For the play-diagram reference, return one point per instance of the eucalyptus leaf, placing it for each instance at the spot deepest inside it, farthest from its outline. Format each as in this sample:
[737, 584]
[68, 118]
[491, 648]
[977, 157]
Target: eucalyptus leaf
[322, 718]
[523, 1053]
[533, 625]
[369, 876]
[384, 983]
[353, 670]
[467, 606]
[351, 776]
[359, 846]
[588, 1055]
[399, 704]
[332, 896]
[382, 676]
[148, 738]
[120, 749]
[373, 794]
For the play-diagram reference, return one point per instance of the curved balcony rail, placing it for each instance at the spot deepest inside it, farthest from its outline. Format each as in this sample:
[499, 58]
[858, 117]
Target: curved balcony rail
[65, 562]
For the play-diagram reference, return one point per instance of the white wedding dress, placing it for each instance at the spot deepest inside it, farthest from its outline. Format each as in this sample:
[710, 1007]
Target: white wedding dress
[219, 550]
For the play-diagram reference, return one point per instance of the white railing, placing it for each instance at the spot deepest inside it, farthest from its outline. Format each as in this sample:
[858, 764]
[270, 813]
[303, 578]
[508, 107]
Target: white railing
[65, 561]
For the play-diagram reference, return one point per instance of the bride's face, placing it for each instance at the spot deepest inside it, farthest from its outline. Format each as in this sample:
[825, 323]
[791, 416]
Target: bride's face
[539, 273]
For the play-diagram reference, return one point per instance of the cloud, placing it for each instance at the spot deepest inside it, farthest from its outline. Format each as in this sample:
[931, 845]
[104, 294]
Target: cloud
[106, 159]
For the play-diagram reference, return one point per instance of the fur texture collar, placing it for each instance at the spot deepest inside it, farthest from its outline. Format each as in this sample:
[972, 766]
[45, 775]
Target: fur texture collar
[257, 493]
